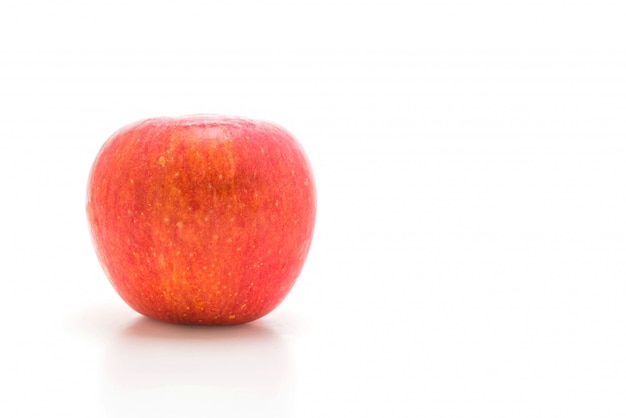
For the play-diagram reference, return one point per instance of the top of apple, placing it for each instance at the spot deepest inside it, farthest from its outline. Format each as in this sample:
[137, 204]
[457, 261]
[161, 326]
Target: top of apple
[206, 119]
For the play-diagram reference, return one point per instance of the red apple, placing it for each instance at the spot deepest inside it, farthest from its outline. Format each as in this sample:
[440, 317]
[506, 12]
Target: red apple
[202, 219]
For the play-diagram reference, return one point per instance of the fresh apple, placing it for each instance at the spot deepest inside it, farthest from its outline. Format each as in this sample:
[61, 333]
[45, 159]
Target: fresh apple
[202, 219]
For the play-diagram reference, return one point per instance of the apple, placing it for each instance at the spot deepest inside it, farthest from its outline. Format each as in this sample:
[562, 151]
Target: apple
[202, 219]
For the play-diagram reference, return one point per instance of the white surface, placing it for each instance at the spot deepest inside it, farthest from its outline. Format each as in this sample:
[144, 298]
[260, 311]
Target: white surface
[469, 256]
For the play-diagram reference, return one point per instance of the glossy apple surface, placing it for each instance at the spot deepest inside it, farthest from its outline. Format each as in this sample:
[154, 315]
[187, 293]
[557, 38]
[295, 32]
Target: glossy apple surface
[202, 219]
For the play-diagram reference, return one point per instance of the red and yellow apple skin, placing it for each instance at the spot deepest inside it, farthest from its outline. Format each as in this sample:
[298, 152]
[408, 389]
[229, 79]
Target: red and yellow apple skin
[202, 219]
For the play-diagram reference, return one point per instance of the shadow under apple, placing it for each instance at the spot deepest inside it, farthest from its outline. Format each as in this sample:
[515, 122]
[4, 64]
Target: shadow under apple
[162, 370]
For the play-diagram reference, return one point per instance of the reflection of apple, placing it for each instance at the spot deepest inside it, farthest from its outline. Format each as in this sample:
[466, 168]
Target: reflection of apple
[202, 219]
[160, 370]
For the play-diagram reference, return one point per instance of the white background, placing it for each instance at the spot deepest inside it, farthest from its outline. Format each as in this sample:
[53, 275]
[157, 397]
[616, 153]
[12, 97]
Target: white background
[469, 258]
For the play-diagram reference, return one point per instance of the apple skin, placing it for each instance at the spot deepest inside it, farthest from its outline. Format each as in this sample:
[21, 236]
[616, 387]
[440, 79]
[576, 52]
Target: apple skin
[202, 219]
